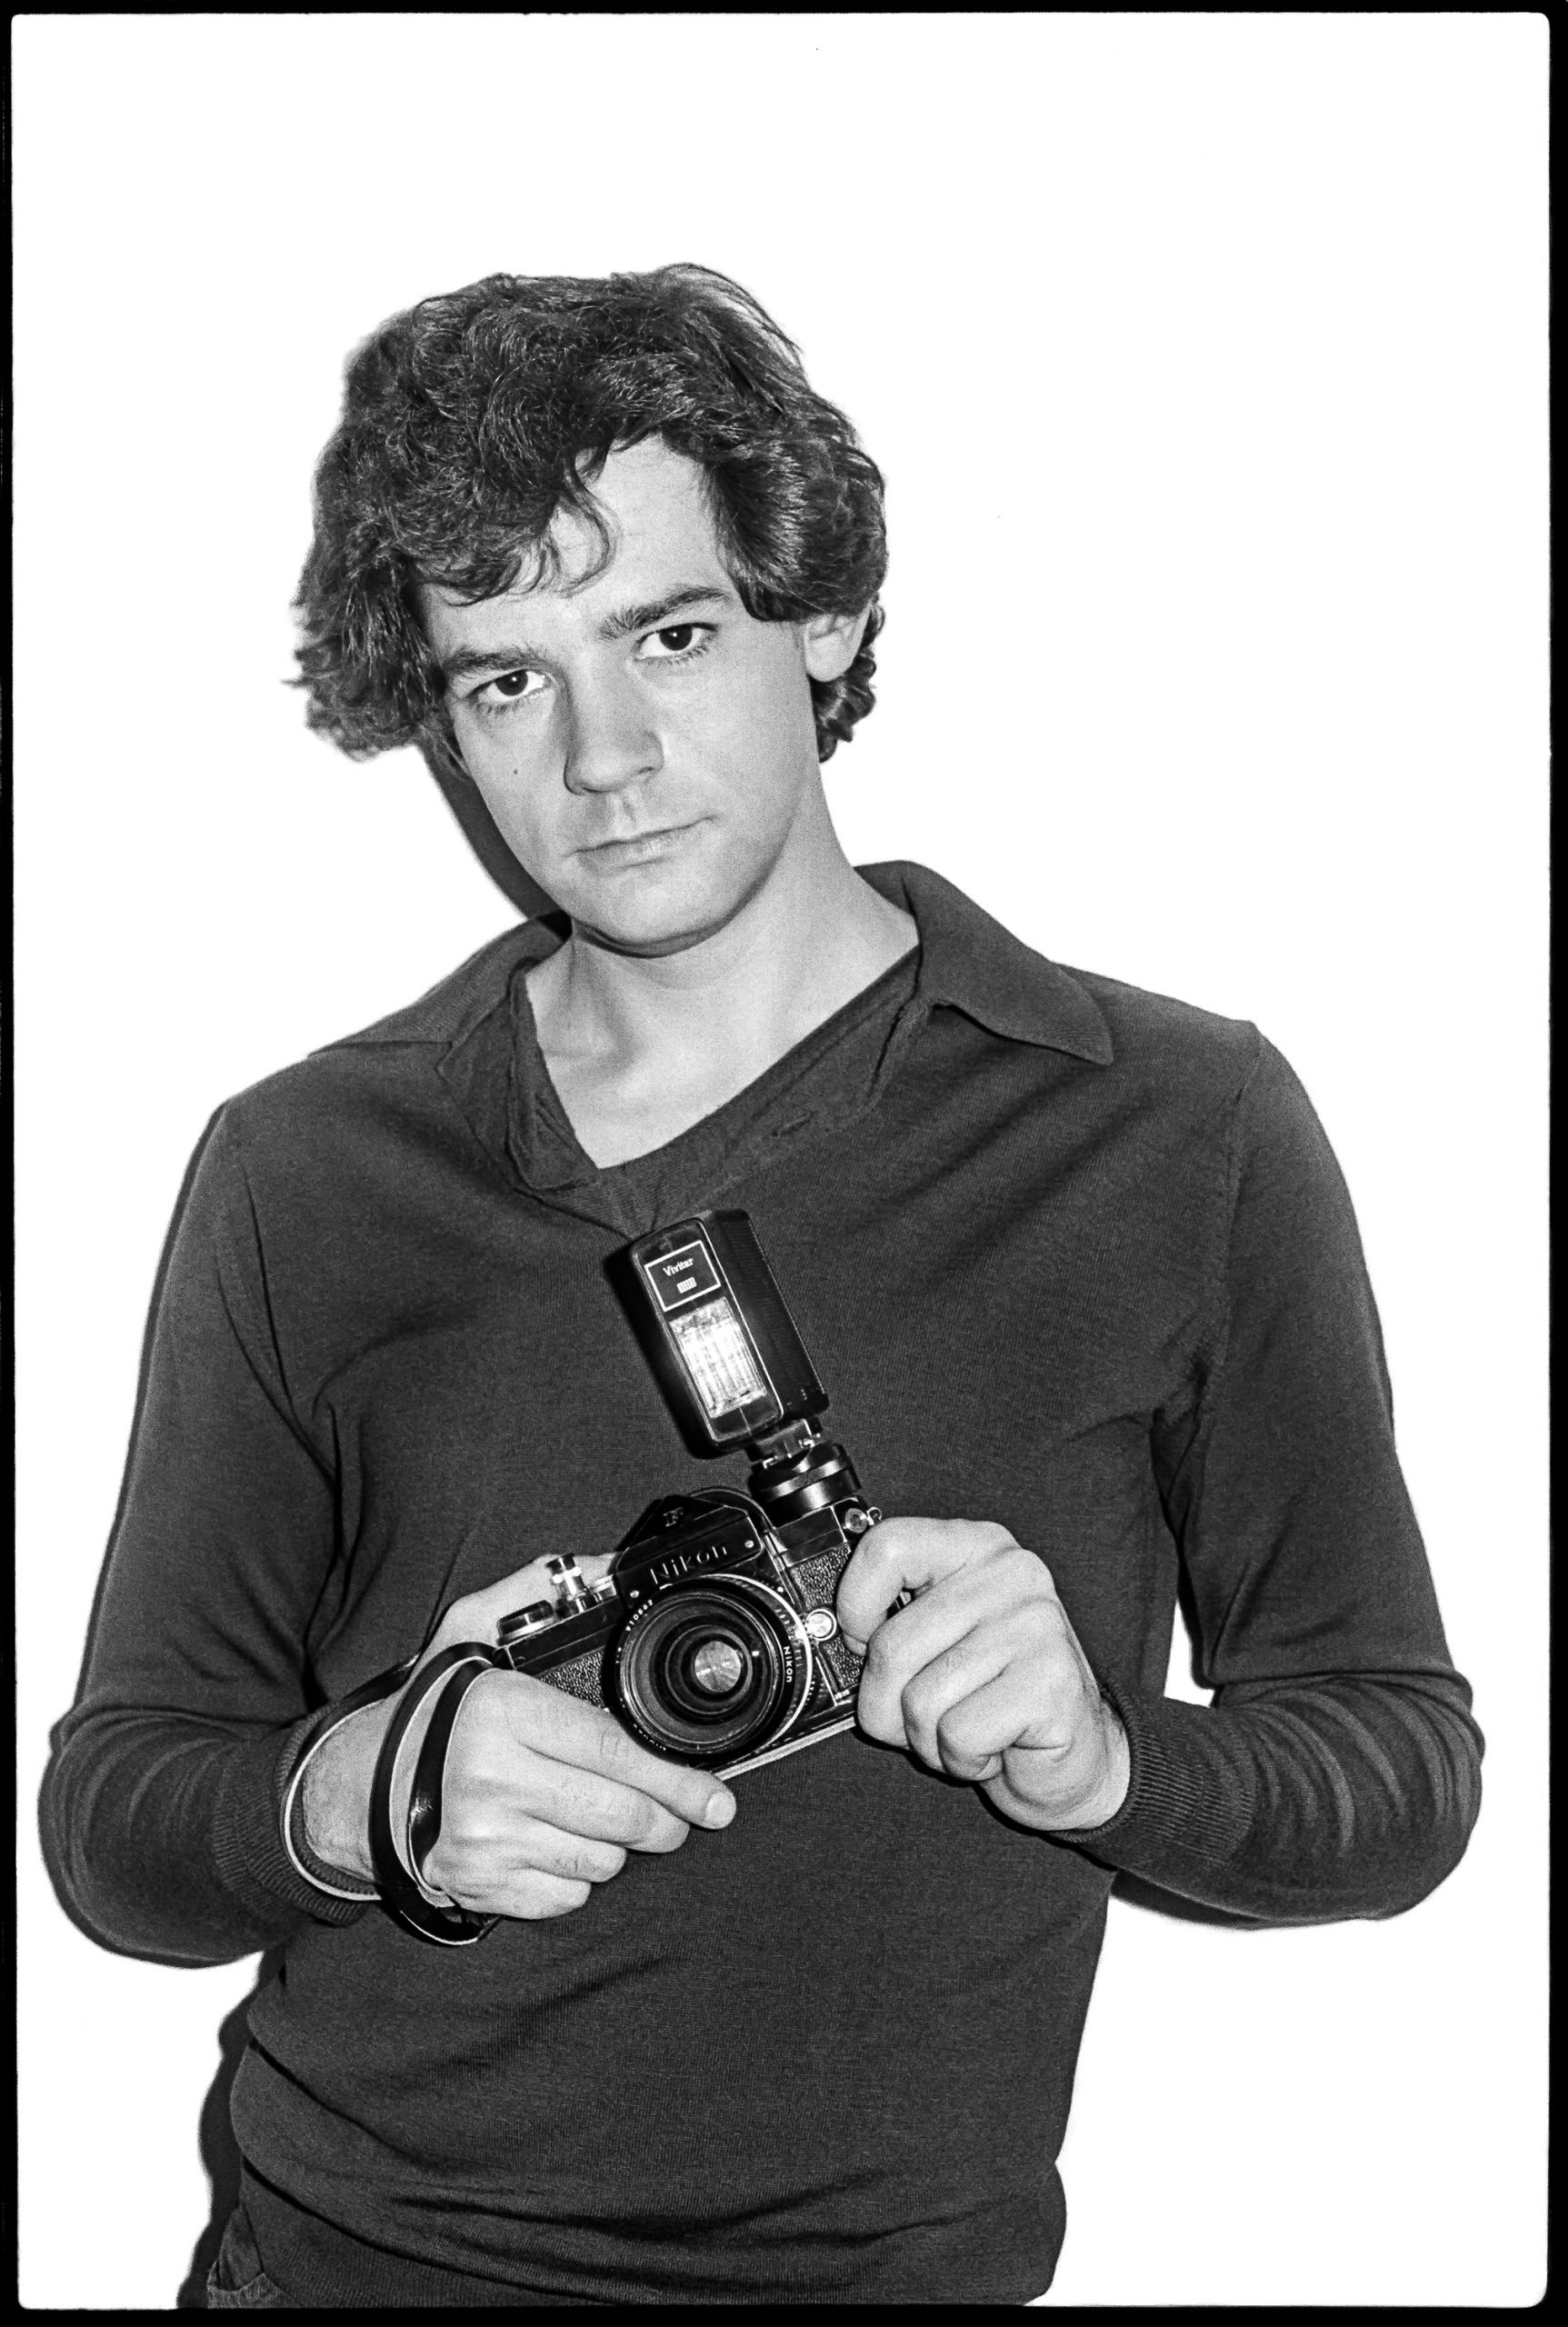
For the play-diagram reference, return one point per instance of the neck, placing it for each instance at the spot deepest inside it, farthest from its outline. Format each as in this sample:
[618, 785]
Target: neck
[642, 1046]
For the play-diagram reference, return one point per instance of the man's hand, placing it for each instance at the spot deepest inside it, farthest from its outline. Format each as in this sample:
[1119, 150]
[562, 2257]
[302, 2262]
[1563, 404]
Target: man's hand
[542, 1795]
[982, 1675]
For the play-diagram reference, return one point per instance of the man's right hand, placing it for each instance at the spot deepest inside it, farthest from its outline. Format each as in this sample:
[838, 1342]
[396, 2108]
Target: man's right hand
[542, 1795]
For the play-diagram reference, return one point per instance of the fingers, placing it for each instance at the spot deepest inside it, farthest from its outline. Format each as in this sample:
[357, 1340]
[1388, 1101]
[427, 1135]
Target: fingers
[544, 1796]
[586, 1739]
[982, 1675]
[1013, 1707]
[463, 1869]
[909, 1555]
[584, 1803]
[1002, 1598]
[968, 1736]
[911, 1690]
[592, 1742]
[927, 1707]
[527, 1897]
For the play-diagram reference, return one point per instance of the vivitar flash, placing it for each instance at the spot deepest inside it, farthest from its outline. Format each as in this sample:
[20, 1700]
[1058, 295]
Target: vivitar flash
[713, 1637]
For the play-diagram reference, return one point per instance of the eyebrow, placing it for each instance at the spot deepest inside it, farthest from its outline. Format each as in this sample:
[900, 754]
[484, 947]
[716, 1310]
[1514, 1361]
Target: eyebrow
[467, 662]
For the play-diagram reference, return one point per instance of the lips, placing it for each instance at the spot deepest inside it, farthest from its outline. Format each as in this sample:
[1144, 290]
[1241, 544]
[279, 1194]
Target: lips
[637, 848]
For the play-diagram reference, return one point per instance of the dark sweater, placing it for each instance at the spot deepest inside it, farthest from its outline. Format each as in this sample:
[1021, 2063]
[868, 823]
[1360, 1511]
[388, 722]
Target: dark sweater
[1067, 1255]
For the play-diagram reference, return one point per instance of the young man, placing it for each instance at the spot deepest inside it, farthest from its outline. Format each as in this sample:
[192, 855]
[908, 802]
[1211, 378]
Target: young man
[1074, 1262]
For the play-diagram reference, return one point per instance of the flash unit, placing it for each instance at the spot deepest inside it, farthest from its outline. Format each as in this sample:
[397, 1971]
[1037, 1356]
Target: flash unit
[718, 1333]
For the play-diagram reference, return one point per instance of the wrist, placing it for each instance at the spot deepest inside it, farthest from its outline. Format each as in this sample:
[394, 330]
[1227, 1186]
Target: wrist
[1115, 1783]
[334, 1794]
[1049, 1809]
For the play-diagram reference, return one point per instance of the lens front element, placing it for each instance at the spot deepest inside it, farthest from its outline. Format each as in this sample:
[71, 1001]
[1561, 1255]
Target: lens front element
[717, 1667]
[713, 1670]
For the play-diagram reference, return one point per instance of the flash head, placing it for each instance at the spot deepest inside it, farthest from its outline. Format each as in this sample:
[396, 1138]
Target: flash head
[718, 1335]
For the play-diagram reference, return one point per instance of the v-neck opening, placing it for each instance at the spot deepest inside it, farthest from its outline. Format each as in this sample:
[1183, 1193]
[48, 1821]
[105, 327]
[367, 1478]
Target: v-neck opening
[551, 1159]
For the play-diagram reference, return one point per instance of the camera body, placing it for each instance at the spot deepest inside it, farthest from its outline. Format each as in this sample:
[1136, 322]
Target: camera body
[713, 1638]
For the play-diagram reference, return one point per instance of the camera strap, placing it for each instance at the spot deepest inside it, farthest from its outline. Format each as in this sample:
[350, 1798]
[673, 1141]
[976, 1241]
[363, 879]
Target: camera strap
[424, 1830]
[453, 1671]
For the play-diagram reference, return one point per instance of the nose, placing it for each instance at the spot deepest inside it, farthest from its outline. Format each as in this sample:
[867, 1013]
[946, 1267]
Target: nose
[610, 741]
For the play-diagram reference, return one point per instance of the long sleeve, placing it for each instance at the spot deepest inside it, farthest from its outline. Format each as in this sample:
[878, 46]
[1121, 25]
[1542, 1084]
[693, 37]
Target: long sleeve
[1337, 1772]
[161, 1805]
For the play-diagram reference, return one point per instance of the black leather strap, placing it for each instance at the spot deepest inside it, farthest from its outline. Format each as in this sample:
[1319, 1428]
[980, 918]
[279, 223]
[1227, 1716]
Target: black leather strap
[316, 1872]
[430, 1770]
[399, 1894]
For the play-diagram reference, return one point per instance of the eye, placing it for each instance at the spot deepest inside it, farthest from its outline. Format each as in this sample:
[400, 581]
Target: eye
[678, 641]
[508, 687]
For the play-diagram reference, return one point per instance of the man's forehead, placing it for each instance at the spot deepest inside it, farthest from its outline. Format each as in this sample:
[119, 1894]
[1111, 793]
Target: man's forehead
[657, 531]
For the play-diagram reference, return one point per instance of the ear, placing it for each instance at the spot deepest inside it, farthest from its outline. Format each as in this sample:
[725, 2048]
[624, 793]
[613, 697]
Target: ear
[830, 643]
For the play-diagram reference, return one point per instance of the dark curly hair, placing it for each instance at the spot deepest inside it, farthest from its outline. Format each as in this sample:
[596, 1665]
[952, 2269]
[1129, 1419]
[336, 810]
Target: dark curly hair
[470, 420]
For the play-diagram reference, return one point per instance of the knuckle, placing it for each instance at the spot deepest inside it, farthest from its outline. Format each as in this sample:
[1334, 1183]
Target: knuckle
[617, 1752]
[454, 1872]
[952, 1732]
[1040, 1625]
[1032, 1573]
[914, 1700]
[878, 1659]
[1054, 1653]
[990, 1535]
[542, 1897]
[468, 1886]
[874, 1717]
[948, 1667]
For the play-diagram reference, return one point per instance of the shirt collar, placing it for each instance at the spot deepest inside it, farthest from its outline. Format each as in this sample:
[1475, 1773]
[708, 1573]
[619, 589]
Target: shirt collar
[970, 962]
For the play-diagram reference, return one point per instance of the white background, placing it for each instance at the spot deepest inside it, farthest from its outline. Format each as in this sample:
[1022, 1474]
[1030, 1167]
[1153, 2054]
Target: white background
[1205, 356]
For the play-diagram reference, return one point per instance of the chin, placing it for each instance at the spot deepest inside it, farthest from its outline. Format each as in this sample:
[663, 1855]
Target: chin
[650, 935]
[654, 918]
[661, 908]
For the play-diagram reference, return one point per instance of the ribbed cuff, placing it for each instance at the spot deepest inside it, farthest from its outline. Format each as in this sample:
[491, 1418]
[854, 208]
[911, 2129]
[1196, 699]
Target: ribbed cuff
[1183, 1816]
[249, 1845]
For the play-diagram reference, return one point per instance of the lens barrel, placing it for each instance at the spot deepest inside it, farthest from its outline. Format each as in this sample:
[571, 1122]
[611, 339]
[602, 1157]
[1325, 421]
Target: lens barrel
[711, 1670]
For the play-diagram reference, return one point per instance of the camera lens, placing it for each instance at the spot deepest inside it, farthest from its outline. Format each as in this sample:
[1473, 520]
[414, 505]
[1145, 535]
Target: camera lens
[712, 1671]
[717, 1667]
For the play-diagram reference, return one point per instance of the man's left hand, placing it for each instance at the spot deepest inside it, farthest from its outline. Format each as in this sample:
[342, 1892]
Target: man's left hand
[981, 1675]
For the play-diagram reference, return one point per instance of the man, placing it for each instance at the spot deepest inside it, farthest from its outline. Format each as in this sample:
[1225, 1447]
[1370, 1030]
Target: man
[1074, 1262]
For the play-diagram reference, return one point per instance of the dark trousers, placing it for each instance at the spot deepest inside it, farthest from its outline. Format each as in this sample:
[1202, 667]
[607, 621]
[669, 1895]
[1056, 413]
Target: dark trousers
[236, 2281]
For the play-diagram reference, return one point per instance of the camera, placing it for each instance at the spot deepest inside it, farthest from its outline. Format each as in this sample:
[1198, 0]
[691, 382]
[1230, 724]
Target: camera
[713, 1637]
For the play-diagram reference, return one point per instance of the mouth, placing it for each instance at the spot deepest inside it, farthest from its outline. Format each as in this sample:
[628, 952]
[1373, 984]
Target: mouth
[639, 848]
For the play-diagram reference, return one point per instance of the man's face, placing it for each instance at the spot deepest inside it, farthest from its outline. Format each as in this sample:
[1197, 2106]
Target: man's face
[645, 747]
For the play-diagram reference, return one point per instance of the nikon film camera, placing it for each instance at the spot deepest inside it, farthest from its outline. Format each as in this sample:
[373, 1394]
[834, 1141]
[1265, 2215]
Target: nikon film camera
[713, 1637]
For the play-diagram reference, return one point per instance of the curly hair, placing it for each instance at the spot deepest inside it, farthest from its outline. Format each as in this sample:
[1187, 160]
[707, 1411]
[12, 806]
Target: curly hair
[472, 420]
